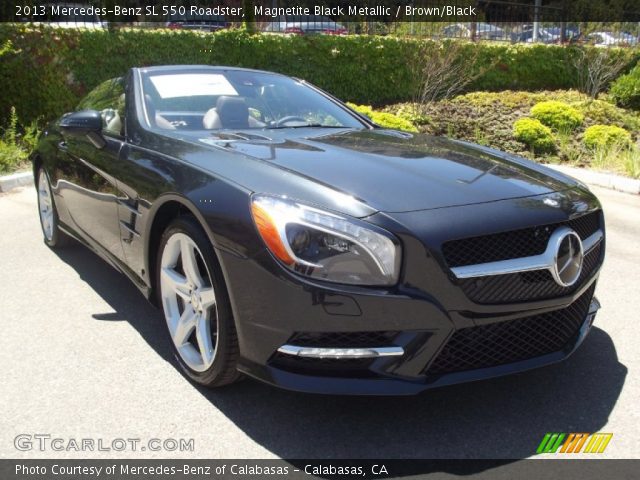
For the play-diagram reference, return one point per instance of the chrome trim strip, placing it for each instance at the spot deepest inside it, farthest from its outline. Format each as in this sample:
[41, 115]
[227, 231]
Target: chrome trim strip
[128, 228]
[590, 242]
[594, 306]
[544, 261]
[314, 352]
[123, 203]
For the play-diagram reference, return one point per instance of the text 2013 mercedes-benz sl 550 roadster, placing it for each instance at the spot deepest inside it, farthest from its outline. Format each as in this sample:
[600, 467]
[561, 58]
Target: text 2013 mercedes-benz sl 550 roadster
[286, 237]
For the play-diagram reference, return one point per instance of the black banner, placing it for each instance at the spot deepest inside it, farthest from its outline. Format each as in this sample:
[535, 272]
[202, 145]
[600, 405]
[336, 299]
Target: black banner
[385, 11]
[328, 469]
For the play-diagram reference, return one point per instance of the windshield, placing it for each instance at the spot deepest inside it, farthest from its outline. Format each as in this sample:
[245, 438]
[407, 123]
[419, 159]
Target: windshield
[208, 99]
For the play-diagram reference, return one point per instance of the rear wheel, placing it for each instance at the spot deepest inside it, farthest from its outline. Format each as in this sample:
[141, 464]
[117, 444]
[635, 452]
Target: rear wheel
[53, 236]
[196, 305]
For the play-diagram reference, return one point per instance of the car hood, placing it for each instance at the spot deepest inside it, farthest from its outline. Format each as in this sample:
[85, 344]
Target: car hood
[394, 171]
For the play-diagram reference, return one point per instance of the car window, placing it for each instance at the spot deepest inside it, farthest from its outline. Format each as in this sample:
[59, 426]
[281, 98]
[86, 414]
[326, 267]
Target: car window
[239, 99]
[109, 99]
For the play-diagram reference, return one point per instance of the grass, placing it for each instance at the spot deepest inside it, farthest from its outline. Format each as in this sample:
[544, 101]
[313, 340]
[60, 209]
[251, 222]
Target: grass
[619, 159]
[568, 151]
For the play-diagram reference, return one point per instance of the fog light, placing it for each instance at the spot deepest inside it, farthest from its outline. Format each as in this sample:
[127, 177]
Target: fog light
[317, 352]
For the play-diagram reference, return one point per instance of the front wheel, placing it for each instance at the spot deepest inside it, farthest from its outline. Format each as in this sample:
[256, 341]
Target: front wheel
[196, 306]
[53, 236]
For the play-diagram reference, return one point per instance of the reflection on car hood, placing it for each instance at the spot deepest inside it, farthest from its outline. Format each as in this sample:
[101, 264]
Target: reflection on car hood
[393, 171]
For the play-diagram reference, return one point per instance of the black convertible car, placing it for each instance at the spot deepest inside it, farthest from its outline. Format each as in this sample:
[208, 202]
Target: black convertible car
[287, 237]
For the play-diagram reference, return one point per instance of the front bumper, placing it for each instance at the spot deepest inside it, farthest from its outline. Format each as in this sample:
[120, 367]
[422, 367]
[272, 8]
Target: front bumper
[277, 311]
[450, 329]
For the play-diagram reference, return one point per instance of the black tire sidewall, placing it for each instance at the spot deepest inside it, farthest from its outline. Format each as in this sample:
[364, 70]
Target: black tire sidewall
[223, 370]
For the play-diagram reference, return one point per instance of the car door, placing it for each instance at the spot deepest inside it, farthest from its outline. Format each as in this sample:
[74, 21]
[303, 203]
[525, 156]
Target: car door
[88, 182]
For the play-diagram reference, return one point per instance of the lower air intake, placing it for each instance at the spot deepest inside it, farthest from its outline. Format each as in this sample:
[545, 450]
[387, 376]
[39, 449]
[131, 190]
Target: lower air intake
[512, 340]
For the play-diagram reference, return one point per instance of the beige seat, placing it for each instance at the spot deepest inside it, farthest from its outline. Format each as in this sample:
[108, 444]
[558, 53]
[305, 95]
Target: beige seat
[230, 112]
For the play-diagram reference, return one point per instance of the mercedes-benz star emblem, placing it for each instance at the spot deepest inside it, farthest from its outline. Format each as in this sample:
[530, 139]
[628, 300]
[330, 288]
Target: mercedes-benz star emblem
[568, 259]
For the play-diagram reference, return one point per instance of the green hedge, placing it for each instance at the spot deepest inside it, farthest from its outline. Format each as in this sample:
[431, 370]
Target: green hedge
[45, 71]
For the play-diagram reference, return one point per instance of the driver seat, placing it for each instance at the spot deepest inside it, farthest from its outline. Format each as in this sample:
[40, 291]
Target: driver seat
[229, 112]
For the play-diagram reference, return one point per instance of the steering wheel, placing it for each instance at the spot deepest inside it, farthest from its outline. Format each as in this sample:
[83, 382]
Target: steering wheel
[290, 118]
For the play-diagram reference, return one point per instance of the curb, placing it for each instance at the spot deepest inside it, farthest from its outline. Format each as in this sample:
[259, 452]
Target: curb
[606, 180]
[20, 179]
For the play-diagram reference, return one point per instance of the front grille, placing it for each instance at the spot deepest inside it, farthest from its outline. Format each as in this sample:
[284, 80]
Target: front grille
[526, 286]
[342, 339]
[514, 244]
[512, 340]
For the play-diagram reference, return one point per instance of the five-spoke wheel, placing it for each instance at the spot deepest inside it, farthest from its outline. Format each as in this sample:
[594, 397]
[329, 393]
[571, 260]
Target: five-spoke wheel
[53, 236]
[195, 304]
[189, 302]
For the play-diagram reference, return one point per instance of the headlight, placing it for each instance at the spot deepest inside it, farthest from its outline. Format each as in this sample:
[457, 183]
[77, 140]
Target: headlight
[324, 245]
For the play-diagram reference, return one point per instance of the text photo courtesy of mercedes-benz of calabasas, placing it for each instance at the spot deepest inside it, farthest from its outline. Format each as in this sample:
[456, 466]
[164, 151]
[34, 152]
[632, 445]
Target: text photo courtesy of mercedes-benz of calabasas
[286, 237]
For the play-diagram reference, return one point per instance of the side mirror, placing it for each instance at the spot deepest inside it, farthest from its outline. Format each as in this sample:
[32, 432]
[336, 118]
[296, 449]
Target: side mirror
[81, 123]
[84, 123]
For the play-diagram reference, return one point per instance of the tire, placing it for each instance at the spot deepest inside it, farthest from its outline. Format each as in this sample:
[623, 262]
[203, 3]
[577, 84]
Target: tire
[49, 221]
[195, 303]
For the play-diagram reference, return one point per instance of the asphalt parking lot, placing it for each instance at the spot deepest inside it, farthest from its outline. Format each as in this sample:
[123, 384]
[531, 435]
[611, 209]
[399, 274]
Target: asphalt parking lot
[83, 355]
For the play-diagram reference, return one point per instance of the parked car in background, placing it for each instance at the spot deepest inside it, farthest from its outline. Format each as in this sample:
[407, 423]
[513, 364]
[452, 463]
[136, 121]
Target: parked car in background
[306, 25]
[629, 39]
[526, 36]
[545, 34]
[611, 39]
[484, 31]
[209, 23]
[571, 34]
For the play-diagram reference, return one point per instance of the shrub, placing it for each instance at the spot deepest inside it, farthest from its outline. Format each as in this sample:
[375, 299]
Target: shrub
[600, 112]
[533, 133]
[557, 115]
[10, 156]
[595, 69]
[625, 91]
[488, 118]
[444, 69]
[363, 109]
[411, 114]
[47, 70]
[599, 136]
[16, 145]
[389, 120]
[385, 119]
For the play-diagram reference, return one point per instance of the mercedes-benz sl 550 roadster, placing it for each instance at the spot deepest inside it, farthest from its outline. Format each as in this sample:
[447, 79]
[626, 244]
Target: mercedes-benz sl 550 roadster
[286, 237]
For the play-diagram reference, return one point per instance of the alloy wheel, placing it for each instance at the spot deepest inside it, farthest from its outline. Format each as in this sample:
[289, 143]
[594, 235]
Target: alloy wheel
[189, 302]
[45, 204]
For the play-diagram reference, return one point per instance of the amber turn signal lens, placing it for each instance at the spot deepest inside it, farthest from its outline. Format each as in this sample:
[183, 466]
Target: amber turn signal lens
[269, 233]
